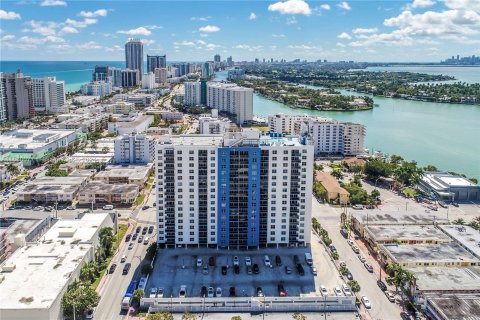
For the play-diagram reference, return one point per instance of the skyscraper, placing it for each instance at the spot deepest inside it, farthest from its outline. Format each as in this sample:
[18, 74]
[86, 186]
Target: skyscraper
[130, 78]
[48, 94]
[100, 73]
[154, 62]
[18, 96]
[217, 58]
[134, 55]
[3, 106]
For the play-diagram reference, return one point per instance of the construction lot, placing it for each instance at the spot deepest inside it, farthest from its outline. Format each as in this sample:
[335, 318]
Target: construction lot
[178, 267]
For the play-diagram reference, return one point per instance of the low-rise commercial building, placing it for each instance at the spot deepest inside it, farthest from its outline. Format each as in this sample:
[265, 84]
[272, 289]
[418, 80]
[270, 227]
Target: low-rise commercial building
[128, 124]
[51, 189]
[51, 264]
[120, 107]
[452, 306]
[427, 255]
[80, 160]
[171, 115]
[137, 175]
[97, 192]
[88, 122]
[448, 187]
[141, 99]
[466, 236]
[335, 193]
[33, 145]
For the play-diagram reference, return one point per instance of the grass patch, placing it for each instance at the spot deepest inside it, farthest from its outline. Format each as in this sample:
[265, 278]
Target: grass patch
[139, 199]
[122, 229]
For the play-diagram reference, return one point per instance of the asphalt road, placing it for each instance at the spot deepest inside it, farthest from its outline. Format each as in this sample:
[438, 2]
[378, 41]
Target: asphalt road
[329, 218]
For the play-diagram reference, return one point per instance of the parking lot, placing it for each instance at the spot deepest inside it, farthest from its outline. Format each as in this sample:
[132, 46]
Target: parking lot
[178, 267]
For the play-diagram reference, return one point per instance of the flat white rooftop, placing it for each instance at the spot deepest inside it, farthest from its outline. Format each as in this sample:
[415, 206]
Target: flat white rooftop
[43, 269]
[385, 217]
[466, 236]
[31, 138]
[193, 140]
[409, 232]
[447, 278]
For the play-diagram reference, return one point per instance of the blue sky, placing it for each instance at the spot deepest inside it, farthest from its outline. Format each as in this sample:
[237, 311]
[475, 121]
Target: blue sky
[416, 30]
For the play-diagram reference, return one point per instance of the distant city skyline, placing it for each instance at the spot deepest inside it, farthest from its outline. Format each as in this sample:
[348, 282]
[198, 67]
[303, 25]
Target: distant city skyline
[393, 31]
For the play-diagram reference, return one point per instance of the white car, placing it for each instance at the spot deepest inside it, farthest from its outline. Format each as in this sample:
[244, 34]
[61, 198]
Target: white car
[160, 293]
[205, 269]
[314, 271]
[343, 264]
[183, 291]
[153, 293]
[236, 262]
[346, 290]
[323, 290]
[218, 292]
[199, 262]
[338, 292]
[366, 302]
[362, 258]
[368, 266]
[350, 242]
[210, 292]
[248, 261]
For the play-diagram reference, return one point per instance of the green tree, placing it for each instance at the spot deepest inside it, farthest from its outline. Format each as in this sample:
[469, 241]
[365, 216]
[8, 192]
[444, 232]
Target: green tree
[236, 318]
[12, 169]
[106, 239]
[335, 256]
[146, 269]
[353, 284]
[430, 168]
[138, 294]
[376, 168]
[105, 150]
[299, 316]
[344, 270]
[396, 159]
[326, 239]
[338, 174]
[88, 273]
[375, 194]
[161, 316]
[459, 221]
[151, 250]
[79, 296]
[474, 180]
[189, 316]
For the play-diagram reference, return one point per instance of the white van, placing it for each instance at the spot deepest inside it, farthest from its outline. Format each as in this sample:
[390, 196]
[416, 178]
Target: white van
[308, 258]
[267, 261]
[107, 207]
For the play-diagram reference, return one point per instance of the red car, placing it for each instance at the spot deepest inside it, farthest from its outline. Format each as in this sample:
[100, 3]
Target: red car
[281, 290]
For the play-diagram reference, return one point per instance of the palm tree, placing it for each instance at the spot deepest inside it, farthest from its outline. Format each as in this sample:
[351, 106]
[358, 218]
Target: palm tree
[12, 169]
[106, 239]
[138, 294]
[459, 221]
[88, 272]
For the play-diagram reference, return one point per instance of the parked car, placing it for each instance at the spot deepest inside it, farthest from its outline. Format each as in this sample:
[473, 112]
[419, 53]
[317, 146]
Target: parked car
[138, 229]
[368, 266]
[357, 207]
[300, 269]
[211, 261]
[323, 290]
[199, 262]
[145, 207]
[382, 285]
[390, 296]
[281, 290]
[123, 258]
[183, 291]
[126, 268]
[350, 242]
[134, 237]
[337, 291]
[288, 270]
[236, 269]
[314, 271]
[232, 292]
[127, 238]
[346, 290]
[205, 269]
[236, 262]
[150, 229]
[144, 230]
[366, 302]
[140, 239]
[256, 269]
[89, 314]
[210, 292]
[344, 232]
[218, 292]
[343, 264]
[259, 292]
[296, 259]
[349, 276]
[249, 270]
[146, 240]
[455, 204]
[130, 245]
[361, 258]
[248, 261]
[70, 208]
[355, 249]
[107, 207]
[160, 292]
[332, 248]
[112, 268]
[224, 270]
[267, 262]
[153, 293]
[278, 261]
[203, 292]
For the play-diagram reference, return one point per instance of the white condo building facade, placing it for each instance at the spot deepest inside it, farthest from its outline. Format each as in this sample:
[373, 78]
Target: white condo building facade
[97, 88]
[192, 93]
[48, 94]
[237, 190]
[329, 136]
[148, 81]
[231, 98]
[134, 148]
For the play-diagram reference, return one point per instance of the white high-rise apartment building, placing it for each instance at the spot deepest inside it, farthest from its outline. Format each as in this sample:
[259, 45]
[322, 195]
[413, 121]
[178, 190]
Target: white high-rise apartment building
[134, 148]
[148, 81]
[231, 98]
[329, 136]
[97, 88]
[192, 93]
[134, 56]
[161, 75]
[3, 104]
[48, 94]
[239, 190]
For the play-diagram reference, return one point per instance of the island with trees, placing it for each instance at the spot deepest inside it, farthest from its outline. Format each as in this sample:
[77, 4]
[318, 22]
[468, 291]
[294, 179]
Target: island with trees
[299, 96]
[401, 85]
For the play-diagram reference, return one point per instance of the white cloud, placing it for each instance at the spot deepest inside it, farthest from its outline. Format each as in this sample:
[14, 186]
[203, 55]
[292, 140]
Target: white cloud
[147, 42]
[211, 46]
[115, 48]
[278, 35]
[364, 30]
[9, 15]
[93, 14]
[203, 35]
[463, 4]
[53, 39]
[324, 6]
[291, 20]
[44, 28]
[209, 28]
[248, 47]
[47, 39]
[291, 7]
[17, 46]
[344, 35]
[60, 46]
[8, 37]
[252, 16]
[53, 3]
[344, 5]
[420, 4]
[89, 45]
[302, 47]
[68, 29]
[185, 43]
[200, 18]
[341, 45]
[81, 24]
[153, 27]
[135, 32]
